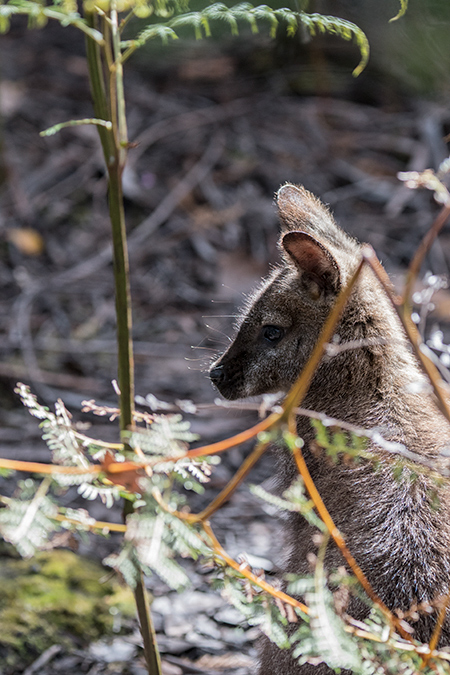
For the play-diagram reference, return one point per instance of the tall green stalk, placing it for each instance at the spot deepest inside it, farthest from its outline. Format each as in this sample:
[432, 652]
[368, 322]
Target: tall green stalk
[106, 80]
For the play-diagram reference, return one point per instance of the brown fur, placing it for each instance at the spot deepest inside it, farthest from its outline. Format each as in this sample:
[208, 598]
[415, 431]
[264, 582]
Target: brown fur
[399, 539]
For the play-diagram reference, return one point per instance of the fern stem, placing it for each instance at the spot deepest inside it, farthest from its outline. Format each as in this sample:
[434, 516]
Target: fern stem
[109, 104]
[419, 256]
[147, 629]
[123, 297]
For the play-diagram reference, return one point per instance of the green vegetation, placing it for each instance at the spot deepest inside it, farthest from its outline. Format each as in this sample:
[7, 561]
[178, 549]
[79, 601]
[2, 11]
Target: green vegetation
[53, 598]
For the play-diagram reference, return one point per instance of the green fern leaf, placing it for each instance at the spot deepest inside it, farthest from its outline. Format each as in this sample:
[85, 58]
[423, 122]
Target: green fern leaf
[344, 29]
[169, 571]
[331, 642]
[164, 33]
[402, 10]
[294, 499]
[126, 564]
[167, 436]
[271, 624]
[28, 524]
[186, 538]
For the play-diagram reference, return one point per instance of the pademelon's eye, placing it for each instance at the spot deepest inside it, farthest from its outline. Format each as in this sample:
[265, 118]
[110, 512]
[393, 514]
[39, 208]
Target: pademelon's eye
[272, 334]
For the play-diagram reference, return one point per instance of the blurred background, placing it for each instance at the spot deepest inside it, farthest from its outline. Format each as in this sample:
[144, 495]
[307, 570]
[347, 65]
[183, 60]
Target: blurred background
[217, 125]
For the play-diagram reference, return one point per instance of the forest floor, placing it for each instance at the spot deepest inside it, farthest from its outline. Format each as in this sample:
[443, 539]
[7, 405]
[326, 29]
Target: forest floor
[216, 131]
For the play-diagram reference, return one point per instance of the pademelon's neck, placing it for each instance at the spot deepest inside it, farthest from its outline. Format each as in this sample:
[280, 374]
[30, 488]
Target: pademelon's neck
[377, 387]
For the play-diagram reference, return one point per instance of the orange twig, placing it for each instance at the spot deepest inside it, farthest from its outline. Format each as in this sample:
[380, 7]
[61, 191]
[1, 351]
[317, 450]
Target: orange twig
[437, 630]
[414, 337]
[420, 254]
[299, 389]
[38, 467]
[239, 476]
[339, 540]
[242, 437]
[249, 575]
[219, 551]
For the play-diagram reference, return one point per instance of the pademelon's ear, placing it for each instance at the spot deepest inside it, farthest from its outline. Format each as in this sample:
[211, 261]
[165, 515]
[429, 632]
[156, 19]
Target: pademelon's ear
[301, 210]
[315, 262]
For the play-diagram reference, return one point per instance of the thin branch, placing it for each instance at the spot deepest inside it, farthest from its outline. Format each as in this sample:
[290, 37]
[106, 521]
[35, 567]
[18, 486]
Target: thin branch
[420, 254]
[339, 540]
[300, 388]
[219, 551]
[238, 477]
[437, 630]
[38, 467]
[416, 341]
[375, 434]
[97, 443]
[95, 525]
[228, 443]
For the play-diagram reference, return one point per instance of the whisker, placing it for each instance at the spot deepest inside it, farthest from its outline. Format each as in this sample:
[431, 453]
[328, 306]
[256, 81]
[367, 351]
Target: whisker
[186, 358]
[208, 349]
[219, 331]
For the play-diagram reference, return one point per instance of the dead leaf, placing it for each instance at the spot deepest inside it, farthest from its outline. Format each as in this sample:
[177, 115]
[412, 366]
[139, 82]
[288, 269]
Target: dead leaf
[125, 474]
[26, 239]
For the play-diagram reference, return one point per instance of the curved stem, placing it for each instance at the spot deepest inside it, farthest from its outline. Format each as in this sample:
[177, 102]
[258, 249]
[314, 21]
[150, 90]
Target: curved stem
[339, 540]
[287, 599]
[248, 434]
[239, 476]
[147, 629]
[437, 630]
[300, 388]
[109, 104]
[415, 339]
[420, 254]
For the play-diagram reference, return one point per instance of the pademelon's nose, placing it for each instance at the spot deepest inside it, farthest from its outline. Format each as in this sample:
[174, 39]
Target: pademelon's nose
[217, 375]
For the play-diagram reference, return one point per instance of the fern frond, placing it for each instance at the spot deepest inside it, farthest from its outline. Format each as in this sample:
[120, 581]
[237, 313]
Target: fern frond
[344, 29]
[168, 435]
[338, 443]
[164, 33]
[27, 524]
[245, 12]
[233, 592]
[169, 571]
[331, 641]
[186, 539]
[154, 543]
[401, 11]
[38, 15]
[126, 564]
[108, 495]
[272, 624]
[68, 479]
[57, 430]
[294, 499]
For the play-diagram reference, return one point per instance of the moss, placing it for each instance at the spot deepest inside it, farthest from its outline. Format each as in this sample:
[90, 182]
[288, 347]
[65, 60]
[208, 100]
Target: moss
[55, 598]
